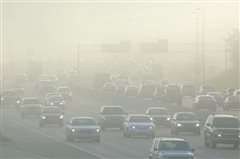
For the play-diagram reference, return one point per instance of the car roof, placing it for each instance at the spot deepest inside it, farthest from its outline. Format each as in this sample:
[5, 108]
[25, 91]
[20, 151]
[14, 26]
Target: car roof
[163, 108]
[30, 98]
[111, 106]
[185, 113]
[224, 116]
[142, 115]
[82, 117]
[170, 139]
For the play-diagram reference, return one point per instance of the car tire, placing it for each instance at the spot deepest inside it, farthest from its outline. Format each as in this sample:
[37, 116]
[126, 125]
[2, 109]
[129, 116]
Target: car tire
[236, 145]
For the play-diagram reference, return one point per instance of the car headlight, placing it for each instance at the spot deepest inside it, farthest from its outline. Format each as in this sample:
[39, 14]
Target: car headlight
[61, 103]
[70, 95]
[61, 116]
[18, 102]
[97, 130]
[168, 118]
[73, 130]
[219, 135]
[43, 117]
[179, 124]
[133, 127]
[151, 119]
[51, 103]
[2, 98]
[197, 125]
[150, 127]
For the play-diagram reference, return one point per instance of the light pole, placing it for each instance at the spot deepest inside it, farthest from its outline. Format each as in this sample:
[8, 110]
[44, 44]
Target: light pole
[78, 62]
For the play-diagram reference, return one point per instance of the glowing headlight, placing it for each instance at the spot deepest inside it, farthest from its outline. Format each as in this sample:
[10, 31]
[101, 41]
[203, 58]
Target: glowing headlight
[43, 117]
[51, 103]
[73, 130]
[179, 124]
[70, 95]
[168, 118]
[219, 135]
[97, 130]
[239, 136]
[150, 127]
[151, 119]
[197, 125]
[61, 116]
[133, 127]
[18, 102]
[2, 98]
[61, 103]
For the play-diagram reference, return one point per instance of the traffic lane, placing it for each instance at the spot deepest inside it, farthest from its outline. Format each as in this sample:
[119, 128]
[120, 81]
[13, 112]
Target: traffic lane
[27, 138]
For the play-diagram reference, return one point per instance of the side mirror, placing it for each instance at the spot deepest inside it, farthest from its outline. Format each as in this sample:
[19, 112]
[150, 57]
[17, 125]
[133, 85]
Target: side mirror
[208, 124]
[193, 150]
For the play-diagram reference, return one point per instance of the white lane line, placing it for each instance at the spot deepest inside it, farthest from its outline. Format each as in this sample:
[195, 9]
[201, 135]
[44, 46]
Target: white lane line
[23, 152]
[54, 138]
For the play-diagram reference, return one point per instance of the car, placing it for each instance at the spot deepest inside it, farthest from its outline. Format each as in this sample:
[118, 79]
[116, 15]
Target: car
[204, 102]
[159, 116]
[111, 117]
[108, 87]
[120, 89]
[30, 110]
[44, 81]
[229, 92]
[146, 91]
[171, 148]
[55, 101]
[138, 125]
[83, 128]
[47, 89]
[65, 92]
[51, 115]
[30, 101]
[185, 122]
[10, 97]
[19, 91]
[236, 92]
[52, 94]
[165, 82]
[131, 91]
[222, 129]
[125, 82]
[187, 90]
[172, 95]
[218, 98]
[205, 89]
[231, 102]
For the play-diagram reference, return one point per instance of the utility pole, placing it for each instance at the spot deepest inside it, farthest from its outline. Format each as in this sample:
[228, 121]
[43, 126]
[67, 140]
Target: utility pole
[78, 62]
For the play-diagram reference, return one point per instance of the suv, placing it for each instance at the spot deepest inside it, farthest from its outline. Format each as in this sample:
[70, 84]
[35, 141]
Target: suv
[177, 148]
[111, 117]
[223, 129]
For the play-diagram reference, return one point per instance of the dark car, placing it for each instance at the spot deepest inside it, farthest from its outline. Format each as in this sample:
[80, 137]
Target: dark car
[205, 89]
[159, 116]
[218, 98]
[111, 117]
[187, 90]
[204, 102]
[51, 115]
[222, 129]
[171, 148]
[146, 91]
[231, 102]
[131, 91]
[65, 92]
[172, 95]
[55, 101]
[10, 97]
[185, 122]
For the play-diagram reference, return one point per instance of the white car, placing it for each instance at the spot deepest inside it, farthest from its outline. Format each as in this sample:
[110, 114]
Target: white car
[82, 128]
[138, 125]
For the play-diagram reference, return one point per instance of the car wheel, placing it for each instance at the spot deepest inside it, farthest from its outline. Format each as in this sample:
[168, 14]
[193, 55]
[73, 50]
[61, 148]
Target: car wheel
[236, 145]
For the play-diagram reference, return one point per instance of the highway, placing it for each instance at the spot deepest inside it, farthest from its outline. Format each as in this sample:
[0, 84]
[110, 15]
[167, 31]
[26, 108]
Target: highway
[28, 140]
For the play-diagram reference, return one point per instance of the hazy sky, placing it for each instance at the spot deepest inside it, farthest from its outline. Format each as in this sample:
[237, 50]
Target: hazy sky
[60, 26]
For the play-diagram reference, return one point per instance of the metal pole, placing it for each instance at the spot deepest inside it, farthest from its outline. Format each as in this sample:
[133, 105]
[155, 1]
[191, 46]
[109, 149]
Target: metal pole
[78, 62]
[197, 51]
[203, 49]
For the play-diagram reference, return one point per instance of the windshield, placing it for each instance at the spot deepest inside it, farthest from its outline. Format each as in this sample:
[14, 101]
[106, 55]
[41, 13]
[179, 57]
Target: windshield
[50, 111]
[113, 111]
[31, 101]
[226, 123]
[139, 119]
[8, 93]
[186, 117]
[83, 122]
[55, 98]
[64, 90]
[174, 146]
[157, 112]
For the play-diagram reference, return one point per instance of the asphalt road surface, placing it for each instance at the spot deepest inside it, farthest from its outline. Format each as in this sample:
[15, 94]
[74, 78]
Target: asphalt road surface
[28, 140]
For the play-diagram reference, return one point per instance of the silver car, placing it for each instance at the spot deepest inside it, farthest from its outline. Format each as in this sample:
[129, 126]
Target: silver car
[159, 116]
[177, 148]
[138, 125]
[82, 128]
